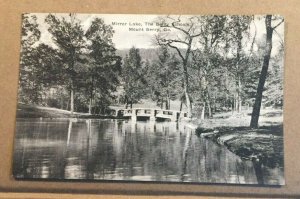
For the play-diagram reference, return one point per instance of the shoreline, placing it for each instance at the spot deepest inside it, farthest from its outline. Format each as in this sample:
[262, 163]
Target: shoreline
[32, 111]
[263, 146]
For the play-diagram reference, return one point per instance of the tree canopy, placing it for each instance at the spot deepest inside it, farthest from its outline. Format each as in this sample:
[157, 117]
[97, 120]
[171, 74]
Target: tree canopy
[204, 65]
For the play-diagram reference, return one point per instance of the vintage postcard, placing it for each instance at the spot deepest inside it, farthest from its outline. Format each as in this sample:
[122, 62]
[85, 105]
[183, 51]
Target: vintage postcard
[159, 98]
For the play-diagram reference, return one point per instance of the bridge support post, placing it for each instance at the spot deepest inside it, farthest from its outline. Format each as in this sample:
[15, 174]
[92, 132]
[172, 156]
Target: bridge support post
[133, 115]
[117, 112]
[174, 116]
[181, 116]
[152, 115]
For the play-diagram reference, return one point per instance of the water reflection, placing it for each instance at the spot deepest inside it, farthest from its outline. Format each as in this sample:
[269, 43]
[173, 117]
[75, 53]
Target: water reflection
[124, 150]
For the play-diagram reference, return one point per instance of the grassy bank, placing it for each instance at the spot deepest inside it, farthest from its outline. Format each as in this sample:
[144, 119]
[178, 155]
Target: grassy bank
[33, 111]
[264, 145]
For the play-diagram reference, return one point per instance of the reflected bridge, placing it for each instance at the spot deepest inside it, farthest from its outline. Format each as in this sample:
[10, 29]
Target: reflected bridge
[152, 114]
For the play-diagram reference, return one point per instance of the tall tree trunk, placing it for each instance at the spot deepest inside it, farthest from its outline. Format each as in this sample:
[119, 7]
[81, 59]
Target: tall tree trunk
[263, 74]
[238, 68]
[188, 102]
[214, 104]
[186, 80]
[67, 105]
[232, 105]
[209, 108]
[207, 102]
[126, 102]
[61, 103]
[185, 59]
[169, 101]
[186, 91]
[91, 96]
[239, 98]
[90, 105]
[180, 109]
[203, 112]
[72, 100]
[226, 101]
[234, 102]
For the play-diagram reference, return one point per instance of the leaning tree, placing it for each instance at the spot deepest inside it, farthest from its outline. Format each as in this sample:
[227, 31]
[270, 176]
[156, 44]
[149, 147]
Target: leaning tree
[264, 71]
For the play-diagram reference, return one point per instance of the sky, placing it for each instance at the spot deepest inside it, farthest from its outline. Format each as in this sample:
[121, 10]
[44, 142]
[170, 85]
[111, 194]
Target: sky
[125, 37]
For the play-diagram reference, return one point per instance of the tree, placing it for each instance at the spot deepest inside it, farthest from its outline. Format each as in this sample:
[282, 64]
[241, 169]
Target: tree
[163, 77]
[264, 71]
[206, 59]
[30, 35]
[48, 71]
[133, 77]
[104, 67]
[251, 71]
[274, 83]
[182, 41]
[238, 30]
[68, 35]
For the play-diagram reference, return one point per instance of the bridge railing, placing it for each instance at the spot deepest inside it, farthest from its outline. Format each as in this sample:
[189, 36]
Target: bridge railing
[150, 112]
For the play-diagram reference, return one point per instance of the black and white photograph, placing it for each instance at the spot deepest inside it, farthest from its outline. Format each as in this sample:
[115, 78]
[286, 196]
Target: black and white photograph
[150, 98]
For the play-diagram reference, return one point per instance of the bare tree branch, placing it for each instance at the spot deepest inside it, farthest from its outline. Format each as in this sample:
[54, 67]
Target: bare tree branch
[176, 41]
[278, 24]
[182, 30]
[280, 38]
[177, 49]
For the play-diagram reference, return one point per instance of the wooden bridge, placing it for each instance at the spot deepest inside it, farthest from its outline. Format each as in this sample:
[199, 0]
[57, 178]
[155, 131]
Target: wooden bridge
[150, 113]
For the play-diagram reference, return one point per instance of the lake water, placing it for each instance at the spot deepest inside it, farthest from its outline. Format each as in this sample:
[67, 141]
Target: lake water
[124, 150]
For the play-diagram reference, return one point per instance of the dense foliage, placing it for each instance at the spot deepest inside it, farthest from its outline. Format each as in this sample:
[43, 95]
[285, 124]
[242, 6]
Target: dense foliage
[80, 72]
[206, 64]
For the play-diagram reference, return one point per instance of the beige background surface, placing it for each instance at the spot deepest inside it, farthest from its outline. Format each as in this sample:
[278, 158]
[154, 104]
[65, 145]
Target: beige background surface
[10, 21]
